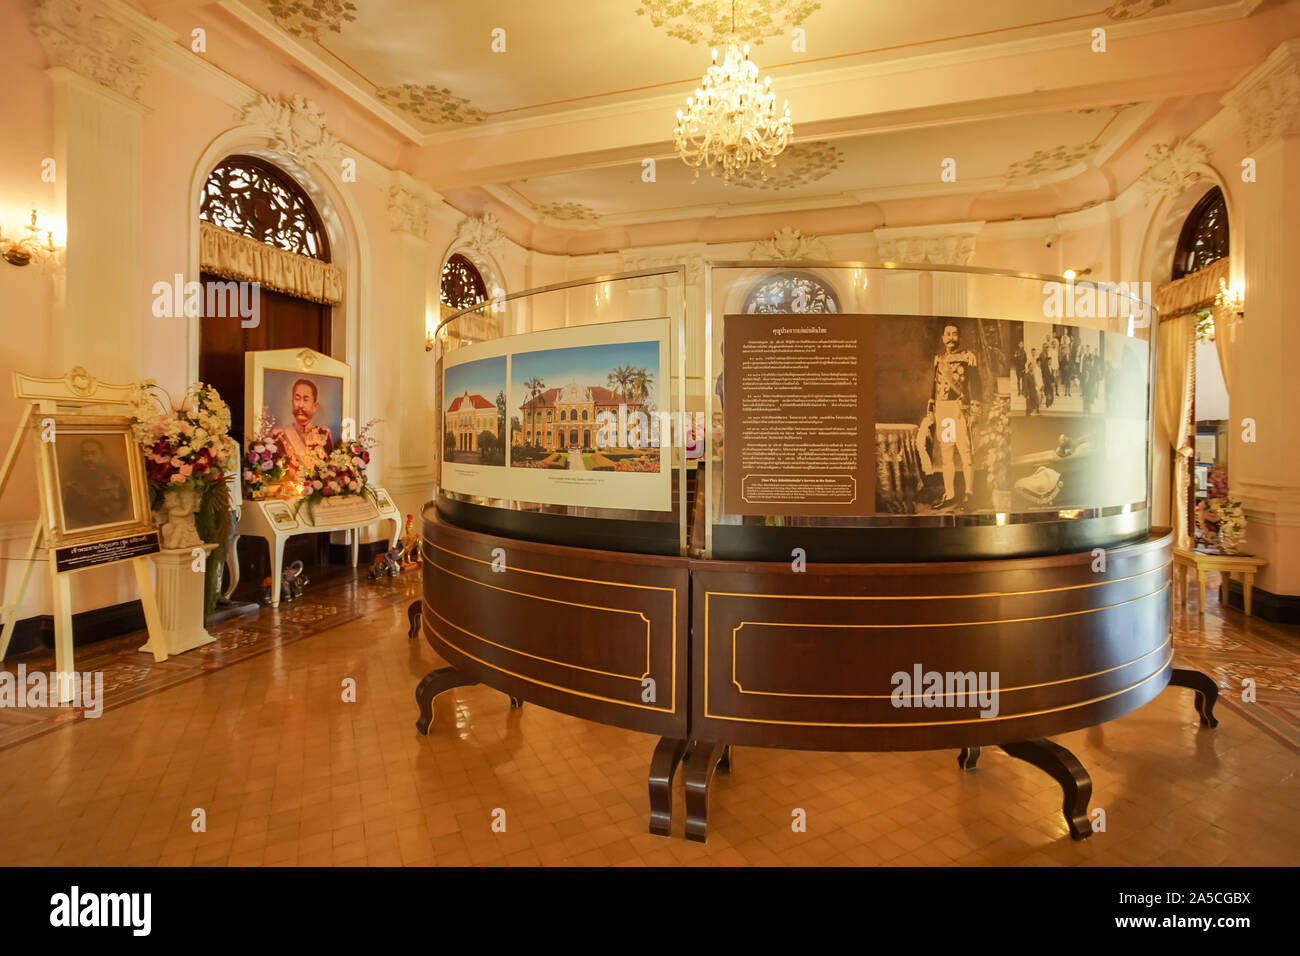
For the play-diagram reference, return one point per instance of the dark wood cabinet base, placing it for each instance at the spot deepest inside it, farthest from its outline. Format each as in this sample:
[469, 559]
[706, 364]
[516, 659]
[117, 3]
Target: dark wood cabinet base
[1063, 767]
[705, 655]
[667, 755]
[1207, 692]
[413, 619]
[705, 760]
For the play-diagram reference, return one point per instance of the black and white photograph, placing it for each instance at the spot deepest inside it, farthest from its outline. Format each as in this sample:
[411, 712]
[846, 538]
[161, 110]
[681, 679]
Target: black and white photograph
[96, 475]
[941, 402]
[1078, 405]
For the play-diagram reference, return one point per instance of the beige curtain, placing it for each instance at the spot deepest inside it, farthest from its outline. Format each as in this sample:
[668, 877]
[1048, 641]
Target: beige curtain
[1175, 393]
[1191, 293]
[233, 256]
[1222, 334]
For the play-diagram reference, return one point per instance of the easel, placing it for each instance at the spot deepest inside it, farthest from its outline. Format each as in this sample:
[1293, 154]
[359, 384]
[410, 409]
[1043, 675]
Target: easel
[71, 394]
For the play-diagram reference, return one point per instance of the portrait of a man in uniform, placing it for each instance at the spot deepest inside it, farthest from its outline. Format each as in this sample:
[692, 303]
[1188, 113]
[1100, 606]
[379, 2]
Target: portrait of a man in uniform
[304, 442]
[93, 482]
[953, 405]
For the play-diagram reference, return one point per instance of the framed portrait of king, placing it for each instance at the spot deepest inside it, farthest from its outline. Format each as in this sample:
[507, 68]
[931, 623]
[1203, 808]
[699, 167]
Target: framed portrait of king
[93, 480]
[305, 393]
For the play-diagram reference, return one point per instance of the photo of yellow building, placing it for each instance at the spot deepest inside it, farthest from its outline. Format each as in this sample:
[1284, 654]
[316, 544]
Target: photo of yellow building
[467, 416]
[568, 417]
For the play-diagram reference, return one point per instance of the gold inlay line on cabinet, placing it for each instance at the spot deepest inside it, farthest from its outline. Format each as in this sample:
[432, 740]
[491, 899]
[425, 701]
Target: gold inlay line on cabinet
[621, 584]
[707, 656]
[562, 577]
[1012, 620]
[549, 660]
[533, 680]
[936, 597]
[1001, 690]
[947, 723]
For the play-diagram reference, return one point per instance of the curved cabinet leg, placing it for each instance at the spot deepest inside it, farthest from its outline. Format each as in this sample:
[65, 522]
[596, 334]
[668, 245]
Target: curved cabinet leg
[1207, 692]
[699, 775]
[968, 758]
[413, 618]
[663, 765]
[516, 703]
[1063, 767]
[724, 762]
[433, 684]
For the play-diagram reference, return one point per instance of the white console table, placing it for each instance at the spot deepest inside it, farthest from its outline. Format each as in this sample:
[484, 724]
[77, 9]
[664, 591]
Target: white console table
[275, 521]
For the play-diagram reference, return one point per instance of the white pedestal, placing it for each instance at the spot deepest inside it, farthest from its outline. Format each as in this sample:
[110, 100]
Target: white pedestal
[180, 601]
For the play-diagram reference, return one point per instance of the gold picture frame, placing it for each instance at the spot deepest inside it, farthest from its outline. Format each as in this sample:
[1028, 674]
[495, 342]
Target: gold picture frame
[93, 477]
[270, 379]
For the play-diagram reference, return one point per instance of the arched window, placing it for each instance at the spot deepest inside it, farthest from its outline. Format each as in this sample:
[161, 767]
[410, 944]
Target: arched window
[1204, 238]
[792, 292]
[249, 196]
[462, 285]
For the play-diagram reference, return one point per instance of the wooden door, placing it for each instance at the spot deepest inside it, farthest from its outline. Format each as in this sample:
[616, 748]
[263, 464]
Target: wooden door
[285, 322]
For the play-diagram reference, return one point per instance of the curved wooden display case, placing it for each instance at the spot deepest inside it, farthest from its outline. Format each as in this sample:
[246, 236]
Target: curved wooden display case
[710, 654]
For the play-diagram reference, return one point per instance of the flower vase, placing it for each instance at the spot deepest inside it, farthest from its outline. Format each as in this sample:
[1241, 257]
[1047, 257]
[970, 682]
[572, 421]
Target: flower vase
[175, 518]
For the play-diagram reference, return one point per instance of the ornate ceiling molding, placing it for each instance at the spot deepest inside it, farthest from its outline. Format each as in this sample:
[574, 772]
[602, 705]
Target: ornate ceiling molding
[307, 18]
[408, 212]
[296, 127]
[799, 165]
[1132, 9]
[1049, 161]
[708, 21]
[566, 212]
[435, 105]
[1172, 168]
[482, 233]
[97, 41]
[1268, 99]
[789, 243]
[950, 250]
[631, 263]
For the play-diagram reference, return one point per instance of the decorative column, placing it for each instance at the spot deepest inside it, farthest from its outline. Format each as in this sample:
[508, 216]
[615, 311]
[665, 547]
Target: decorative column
[413, 456]
[99, 55]
[1265, 473]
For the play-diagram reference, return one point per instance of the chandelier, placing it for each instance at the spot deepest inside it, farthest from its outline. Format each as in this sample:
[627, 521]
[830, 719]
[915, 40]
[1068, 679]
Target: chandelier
[731, 126]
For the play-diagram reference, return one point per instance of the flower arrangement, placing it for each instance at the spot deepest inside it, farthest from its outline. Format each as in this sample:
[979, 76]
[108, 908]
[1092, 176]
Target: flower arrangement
[187, 444]
[188, 452]
[342, 472]
[265, 465]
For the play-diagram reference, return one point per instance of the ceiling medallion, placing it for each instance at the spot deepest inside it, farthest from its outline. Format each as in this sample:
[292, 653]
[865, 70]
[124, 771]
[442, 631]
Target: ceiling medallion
[730, 126]
[707, 21]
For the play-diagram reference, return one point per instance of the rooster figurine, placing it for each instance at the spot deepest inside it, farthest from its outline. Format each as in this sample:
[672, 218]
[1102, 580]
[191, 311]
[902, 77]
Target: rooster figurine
[410, 556]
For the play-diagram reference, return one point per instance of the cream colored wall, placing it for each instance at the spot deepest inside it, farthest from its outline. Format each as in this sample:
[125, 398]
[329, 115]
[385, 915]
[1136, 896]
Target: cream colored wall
[392, 251]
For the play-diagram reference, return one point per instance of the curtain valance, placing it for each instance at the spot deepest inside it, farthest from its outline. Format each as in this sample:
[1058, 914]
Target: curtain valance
[233, 256]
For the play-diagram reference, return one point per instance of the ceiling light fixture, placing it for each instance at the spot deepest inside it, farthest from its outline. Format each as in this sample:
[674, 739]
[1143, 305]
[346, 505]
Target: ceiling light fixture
[731, 126]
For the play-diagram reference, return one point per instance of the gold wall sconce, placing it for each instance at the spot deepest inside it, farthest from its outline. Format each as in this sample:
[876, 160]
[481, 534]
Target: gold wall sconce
[1230, 299]
[22, 251]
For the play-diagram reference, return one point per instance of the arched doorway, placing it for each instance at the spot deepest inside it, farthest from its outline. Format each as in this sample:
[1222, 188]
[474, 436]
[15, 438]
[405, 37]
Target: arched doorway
[248, 198]
[268, 283]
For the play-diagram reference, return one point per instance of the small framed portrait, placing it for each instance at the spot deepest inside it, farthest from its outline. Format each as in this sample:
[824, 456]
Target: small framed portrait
[307, 396]
[93, 473]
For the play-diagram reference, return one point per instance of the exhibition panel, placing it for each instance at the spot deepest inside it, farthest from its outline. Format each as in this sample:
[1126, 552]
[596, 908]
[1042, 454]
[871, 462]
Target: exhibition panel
[918, 516]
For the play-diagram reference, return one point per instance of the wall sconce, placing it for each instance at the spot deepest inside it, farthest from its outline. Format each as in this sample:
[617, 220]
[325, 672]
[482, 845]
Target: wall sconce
[20, 252]
[1230, 299]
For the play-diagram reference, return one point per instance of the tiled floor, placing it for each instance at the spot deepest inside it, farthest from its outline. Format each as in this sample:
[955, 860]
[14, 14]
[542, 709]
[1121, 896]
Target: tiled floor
[287, 772]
